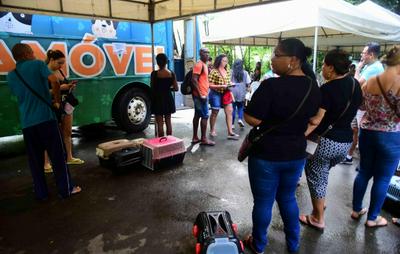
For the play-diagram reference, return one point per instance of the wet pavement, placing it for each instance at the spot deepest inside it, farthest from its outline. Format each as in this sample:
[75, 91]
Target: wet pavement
[143, 211]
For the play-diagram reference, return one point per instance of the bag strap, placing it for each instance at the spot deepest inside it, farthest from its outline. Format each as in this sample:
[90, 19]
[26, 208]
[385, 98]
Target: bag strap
[222, 76]
[343, 112]
[394, 108]
[62, 74]
[32, 90]
[261, 135]
[65, 80]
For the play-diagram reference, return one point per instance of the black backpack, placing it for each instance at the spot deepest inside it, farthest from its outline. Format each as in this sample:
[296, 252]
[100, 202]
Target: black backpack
[187, 84]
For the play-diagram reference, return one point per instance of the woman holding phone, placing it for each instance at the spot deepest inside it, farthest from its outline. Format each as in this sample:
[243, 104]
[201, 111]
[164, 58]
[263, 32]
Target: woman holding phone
[55, 60]
[220, 95]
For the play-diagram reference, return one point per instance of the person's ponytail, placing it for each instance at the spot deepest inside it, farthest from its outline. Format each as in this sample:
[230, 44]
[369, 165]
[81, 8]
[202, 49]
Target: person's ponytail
[306, 66]
[308, 71]
[54, 54]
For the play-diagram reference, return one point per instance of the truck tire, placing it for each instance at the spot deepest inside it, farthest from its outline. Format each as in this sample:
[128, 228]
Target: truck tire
[133, 110]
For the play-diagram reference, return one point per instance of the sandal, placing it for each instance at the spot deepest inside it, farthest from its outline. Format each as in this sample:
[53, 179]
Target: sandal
[248, 242]
[195, 141]
[378, 222]
[357, 215]
[306, 220]
[75, 161]
[48, 169]
[233, 136]
[207, 143]
[76, 190]
[396, 221]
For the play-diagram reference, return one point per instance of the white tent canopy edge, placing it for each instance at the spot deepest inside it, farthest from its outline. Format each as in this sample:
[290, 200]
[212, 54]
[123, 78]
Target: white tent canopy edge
[338, 23]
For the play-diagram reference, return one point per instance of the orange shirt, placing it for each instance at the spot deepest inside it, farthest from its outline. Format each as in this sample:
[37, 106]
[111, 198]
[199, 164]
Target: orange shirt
[203, 78]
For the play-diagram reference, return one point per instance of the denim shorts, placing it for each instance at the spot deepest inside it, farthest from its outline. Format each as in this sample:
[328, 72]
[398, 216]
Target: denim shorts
[200, 107]
[215, 99]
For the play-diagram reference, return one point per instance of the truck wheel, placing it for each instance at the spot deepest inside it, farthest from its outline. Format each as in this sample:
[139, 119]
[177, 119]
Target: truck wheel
[133, 110]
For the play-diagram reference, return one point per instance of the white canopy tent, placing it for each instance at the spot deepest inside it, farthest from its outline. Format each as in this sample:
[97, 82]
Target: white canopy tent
[378, 11]
[323, 24]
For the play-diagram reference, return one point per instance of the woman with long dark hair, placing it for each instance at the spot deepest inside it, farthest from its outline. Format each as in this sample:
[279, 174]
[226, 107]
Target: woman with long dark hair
[277, 160]
[240, 80]
[220, 95]
[55, 61]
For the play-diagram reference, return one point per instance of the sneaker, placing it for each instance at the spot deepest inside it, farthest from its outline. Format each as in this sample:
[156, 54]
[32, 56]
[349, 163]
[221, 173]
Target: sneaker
[233, 127]
[241, 124]
[347, 161]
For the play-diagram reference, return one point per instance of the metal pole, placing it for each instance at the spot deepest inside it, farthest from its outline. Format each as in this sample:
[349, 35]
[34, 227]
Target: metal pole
[152, 45]
[315, 49]
[151, 18]
[195, 49]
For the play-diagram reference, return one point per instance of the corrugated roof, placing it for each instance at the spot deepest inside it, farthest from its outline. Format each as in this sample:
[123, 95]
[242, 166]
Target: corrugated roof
[130, 10]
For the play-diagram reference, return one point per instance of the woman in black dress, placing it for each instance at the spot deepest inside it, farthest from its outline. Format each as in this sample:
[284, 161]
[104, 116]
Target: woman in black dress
[163, 103]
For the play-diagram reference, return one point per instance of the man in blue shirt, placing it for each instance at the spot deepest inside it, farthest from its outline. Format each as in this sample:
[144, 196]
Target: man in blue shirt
[38, 121]
[368, 67]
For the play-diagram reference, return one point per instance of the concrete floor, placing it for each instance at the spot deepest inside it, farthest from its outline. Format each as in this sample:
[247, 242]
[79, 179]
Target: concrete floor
[142, 211]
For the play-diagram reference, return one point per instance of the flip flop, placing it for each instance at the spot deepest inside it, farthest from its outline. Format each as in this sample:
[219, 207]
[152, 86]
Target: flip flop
[396, 221]
[207, 143]
[195, 141]
[357, 215]
[75, 161]
[306, 220]
[378, 222]
[233, 136]
[76, 190]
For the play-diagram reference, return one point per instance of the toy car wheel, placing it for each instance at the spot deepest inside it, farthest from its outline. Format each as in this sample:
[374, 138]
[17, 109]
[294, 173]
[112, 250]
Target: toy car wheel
[198, 248]
[235, 228]
[195, 231]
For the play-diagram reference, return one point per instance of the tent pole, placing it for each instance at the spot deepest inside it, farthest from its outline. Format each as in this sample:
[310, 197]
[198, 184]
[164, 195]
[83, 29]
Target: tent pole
[315, 49]
[152, 44]
[151, 18]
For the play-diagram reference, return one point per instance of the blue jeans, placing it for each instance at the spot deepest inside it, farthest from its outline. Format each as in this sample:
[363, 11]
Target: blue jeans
[270, 181]
[41, 137]
[239, 105]
[379, 157]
